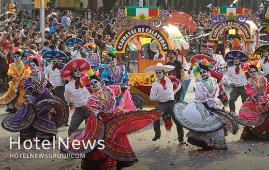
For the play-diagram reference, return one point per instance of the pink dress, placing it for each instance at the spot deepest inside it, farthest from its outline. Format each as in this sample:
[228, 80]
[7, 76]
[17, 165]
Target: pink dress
[251, 111]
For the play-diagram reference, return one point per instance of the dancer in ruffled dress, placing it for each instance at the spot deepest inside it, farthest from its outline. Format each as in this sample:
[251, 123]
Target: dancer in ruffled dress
[199, 116]
[253, 113]
[111, 124]
[41, 114]
[14, 97]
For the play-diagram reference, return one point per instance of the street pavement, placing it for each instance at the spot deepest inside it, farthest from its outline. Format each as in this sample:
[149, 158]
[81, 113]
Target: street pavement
[163, 154]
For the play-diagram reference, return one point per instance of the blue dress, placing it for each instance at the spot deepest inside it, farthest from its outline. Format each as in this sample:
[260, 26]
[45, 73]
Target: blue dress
[115, 76]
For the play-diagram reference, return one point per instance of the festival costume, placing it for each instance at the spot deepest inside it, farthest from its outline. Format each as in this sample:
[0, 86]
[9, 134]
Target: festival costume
[254, 114]
[215, 73]
[41, 114]
[237, 77]
[264, 61]
[53, 72]
[76, 92]
[15, 93]
[201, 116]
[111, 124]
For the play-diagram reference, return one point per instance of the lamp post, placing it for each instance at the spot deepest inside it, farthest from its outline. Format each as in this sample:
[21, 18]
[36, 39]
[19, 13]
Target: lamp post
[42, 19]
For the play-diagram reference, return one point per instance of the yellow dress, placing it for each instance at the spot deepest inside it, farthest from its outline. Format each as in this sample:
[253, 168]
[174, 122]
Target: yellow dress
[15, 93]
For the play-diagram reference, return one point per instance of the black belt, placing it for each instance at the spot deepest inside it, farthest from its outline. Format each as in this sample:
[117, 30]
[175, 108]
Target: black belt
[238, 86]
[169, 101]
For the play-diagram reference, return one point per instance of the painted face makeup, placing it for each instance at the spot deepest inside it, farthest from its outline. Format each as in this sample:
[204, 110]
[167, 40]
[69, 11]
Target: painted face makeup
[17, 58]
[77, 73]
[33, 67]
[55, 60]
[253, 72]
[204, 74]
[95, 85]
[159, 74]
[236, 60]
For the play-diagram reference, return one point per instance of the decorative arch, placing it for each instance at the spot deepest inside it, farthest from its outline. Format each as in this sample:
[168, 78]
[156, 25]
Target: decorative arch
[158, 35]
[243, 27]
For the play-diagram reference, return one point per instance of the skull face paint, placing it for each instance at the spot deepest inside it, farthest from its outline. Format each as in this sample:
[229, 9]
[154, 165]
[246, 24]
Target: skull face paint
[33, 67]
[204, 74]
[77, 73]
[210, 51]
[17, 58]
[236, 60]
[95, 85]
[159, 74]
[253, 72]
[55, 60]
[113, 62]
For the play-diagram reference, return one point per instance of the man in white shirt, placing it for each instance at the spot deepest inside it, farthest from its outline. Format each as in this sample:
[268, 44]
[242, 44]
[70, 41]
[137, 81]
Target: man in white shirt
[53, 73]
[264, 62]
[77, 93]
[162, 91]
[236, 78]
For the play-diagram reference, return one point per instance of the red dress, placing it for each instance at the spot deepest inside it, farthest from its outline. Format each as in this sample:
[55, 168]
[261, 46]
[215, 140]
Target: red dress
[112, 124]
[251, 111]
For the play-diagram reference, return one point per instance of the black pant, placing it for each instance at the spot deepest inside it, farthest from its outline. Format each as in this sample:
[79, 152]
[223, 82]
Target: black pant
[168, 107]
[59, 92]
[235, 93]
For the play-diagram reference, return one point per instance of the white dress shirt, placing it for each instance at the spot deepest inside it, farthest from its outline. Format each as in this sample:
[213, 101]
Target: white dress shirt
[239, 79]
[265, 67]
[54, 76]
[158, 93]
[78, 96]
[75, 53]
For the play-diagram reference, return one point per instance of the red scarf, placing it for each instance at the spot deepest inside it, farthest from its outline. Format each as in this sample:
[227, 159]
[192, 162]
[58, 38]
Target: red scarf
[56, 66]
[237, 69]
[266, 60]
[163, 83]
[78, 84]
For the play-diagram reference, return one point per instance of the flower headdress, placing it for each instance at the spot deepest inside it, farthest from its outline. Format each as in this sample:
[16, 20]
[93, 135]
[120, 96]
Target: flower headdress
[108, 54]
[86, 77]
[28, 59]
[19, 52]
[199, 65]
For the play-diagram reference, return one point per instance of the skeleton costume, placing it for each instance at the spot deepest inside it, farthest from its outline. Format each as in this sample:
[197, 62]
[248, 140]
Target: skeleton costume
[14, 97]
[112, 124]
[41, 114]
[92, 57]
[200, 116]
[264, 61]
[220, 61]
[253, 113]
[53, 73]
[75, 91]
[236, 77]
[162, 91]
[114, 74]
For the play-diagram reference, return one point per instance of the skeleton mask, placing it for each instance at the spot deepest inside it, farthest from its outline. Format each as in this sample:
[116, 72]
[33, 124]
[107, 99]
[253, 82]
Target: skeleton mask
[55, 60]
[159, 74]
[236, 60]
[210, 51]
[204, 74]
[95, 85]
[253, 72]
[77, 73]
[265, 53]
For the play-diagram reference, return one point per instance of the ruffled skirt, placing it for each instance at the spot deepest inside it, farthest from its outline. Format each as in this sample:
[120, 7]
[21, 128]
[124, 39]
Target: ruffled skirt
[40, 119]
